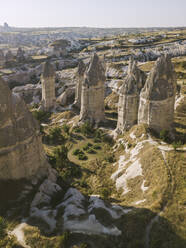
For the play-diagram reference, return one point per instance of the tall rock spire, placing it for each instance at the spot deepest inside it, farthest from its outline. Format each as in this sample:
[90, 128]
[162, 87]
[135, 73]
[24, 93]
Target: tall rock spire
[80, 77]
[21, 152]
[157, 98]
[48, 86]
[129, 97]
[93, 91]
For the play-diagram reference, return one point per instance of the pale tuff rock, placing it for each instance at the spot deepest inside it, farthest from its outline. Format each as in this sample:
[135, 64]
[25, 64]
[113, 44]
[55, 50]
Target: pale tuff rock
[80, 78]
[9, 56]
[157, 98]
[129, 97]
[93, 91]
[48, 87]
[21, 152]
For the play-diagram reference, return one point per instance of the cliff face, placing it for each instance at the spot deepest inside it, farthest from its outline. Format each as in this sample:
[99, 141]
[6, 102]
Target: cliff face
[21, 152]
[129, 97]
[157, 98]
[93, 91]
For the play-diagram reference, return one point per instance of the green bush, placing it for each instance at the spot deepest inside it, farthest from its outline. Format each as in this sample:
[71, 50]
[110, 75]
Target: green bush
[66, 128]
[77, 152]
[110, 158]
[176, 144]
[64, 240]
[105, 193]
[87, 146]
[97, 147]
[41, 115]
[91, 151]
[55, 136]
[3, 226]
[59, 158]
[82, 157]
[164, 135]
[87, 129]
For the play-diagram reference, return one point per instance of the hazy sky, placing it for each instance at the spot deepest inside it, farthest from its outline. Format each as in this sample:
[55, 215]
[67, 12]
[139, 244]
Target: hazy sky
[94, 13]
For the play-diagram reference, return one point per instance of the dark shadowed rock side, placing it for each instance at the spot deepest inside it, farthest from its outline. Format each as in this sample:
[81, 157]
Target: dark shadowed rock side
[157, 98]
[129, 97]
[93, 91]
[80, 77]
[21, 152]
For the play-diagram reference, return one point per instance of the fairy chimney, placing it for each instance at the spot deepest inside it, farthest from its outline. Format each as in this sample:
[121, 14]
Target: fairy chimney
[93, 91]
[48, 87]
[129, 97]
[80, 78]
[157, 98]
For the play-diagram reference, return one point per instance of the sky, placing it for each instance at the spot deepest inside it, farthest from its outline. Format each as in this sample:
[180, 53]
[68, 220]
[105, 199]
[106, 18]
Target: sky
[93, 13]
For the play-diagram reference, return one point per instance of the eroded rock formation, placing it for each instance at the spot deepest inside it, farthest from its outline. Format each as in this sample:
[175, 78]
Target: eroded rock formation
[157, 98]
[80, 78]
[21, 152]
[48, 87]
[129, 97]
[2, 58]
[93, 91]
[20, 57]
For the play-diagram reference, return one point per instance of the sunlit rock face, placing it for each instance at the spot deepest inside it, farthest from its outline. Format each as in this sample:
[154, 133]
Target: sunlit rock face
[21, 152]
[93, 91]
[157, 98]
[48, 87]
[80, 78]
[129, 97]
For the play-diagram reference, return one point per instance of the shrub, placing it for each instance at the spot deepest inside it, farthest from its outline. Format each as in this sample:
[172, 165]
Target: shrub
[82, 157]
[110, 158]
[55, 136]
[77, 152]
[105, 193]
[87, 146]
[3, 226]
[91, 151]
[176, 144]
[41, 115]
[77, 129]
[97, 147]
[60, 158]
[64, 240]
[164, 135]
[66, 128]
[86, 129]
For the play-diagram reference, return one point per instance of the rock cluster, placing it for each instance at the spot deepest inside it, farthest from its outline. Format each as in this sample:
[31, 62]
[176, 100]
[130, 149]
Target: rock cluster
[48, 87]
[129, 97]
[149, 102]
[21, 152]
[93, 91]
[9, 57]
[157, 98]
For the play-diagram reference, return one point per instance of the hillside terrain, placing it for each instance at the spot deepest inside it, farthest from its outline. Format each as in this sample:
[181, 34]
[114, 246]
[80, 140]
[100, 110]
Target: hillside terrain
[104, 189]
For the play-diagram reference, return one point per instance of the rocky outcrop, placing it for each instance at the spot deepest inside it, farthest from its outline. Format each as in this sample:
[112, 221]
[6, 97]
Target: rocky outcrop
[129, 97]
[9, 57]
[80, 78]
[157, 98]
[48, 87]
[20, 57]
[93, 91]
[21, 152]
[66, 97]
